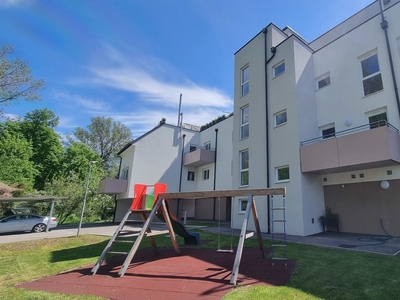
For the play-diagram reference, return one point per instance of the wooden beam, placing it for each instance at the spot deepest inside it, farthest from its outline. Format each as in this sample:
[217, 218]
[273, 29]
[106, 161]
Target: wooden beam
[223, 193]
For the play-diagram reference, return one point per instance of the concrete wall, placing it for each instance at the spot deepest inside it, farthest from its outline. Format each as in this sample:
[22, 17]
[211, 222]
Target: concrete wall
[361, 205]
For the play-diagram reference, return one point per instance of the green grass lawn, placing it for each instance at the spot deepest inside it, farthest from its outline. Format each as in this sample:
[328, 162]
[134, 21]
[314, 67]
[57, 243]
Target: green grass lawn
[320, 273]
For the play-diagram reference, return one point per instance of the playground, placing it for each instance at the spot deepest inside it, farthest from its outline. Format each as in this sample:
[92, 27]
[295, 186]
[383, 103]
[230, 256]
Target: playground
[193, 274]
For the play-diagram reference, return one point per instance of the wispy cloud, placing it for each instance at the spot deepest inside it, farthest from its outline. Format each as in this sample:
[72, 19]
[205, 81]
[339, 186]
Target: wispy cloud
[92, 105]
[154, 95]
[9, 3]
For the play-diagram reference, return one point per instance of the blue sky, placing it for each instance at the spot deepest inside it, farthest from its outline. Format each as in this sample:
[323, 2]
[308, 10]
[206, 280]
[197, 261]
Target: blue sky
[131, 59]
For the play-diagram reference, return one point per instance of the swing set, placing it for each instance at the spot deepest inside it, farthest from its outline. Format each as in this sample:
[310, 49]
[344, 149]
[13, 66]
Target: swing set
[160, 206]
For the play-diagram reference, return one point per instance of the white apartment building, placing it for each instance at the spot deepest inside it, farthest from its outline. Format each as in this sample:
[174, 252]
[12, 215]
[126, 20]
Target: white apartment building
[320, 118]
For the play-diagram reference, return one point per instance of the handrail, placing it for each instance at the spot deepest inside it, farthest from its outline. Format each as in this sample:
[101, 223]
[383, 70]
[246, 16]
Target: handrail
[365, 127]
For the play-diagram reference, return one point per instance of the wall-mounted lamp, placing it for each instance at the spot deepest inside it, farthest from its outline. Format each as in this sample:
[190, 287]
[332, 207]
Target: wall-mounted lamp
[384, 184]
[348, 122]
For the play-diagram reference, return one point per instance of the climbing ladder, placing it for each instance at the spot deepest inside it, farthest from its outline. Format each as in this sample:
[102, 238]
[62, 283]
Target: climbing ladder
[142, 205]
[278, 227]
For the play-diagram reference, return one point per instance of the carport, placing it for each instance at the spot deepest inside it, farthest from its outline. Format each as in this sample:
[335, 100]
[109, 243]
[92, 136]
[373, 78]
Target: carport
[31, 199]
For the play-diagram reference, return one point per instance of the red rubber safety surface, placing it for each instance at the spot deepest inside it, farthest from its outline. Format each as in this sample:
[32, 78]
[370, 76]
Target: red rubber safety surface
[193, 274]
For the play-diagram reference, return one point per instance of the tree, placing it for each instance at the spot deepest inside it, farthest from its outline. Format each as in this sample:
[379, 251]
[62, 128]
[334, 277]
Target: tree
[16, 80]
[104, 136]
[37, 128]
[15, 154]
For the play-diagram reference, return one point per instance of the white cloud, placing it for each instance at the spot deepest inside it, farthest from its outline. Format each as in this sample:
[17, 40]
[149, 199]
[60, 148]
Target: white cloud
[149, 79]
[92, 105]
[151, 92]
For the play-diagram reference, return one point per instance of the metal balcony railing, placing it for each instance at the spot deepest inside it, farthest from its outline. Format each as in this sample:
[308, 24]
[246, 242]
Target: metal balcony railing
[365, 127]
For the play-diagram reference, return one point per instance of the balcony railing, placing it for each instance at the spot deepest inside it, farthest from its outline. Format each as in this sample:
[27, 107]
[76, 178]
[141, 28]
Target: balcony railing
[369, 146]
[351, 131]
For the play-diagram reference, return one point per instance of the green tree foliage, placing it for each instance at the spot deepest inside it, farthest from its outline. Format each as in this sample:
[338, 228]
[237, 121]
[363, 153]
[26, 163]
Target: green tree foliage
[16, 80]
[15, 154]
[37, 128]
[77, 156]
[104, 136]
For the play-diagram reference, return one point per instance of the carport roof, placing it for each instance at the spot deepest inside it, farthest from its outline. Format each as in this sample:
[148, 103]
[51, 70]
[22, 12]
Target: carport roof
[16, 199]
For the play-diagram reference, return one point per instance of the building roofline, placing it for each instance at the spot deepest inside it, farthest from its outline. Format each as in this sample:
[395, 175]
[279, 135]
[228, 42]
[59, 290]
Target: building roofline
[270, 24]
[147, 133]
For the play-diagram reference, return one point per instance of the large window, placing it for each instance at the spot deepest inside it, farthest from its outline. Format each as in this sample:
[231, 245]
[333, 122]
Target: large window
[280, 118]
[372, 79]
[244, 168]
[282, 174]
[245, 80]
[244, 122]
[279, 69]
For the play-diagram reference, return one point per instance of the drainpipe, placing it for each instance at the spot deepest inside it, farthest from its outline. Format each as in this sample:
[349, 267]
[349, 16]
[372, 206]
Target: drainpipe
[384, 26]
[215, 169]
[115, 196]
[180, 175]
[273, 51]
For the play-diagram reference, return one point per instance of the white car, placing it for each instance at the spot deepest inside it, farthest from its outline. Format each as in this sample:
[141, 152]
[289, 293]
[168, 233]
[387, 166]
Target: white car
[26, 222]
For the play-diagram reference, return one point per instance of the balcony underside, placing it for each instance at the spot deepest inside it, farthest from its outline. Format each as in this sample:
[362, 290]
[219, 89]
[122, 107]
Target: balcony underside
[198, 158]
[111, 186]
[375, 148]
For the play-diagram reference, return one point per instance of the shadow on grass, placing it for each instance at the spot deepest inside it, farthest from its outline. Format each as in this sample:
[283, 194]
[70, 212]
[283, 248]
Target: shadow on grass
[87, 251]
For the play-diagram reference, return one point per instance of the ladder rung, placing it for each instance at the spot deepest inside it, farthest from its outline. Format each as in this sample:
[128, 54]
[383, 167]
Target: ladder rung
[124, 241]
[278, 245]
[278, 208]
[249, 235]
[117, 252]
[279, 258]
[278, 220]
[153, 233]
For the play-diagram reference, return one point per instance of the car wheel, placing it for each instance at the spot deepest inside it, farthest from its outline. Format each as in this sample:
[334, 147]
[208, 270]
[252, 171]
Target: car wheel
[39, 227]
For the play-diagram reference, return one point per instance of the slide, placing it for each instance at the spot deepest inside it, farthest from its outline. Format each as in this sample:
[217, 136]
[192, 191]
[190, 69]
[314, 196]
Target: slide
[191, 238]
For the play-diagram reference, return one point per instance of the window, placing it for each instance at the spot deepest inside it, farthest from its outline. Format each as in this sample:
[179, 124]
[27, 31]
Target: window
[279, 69]
[282, 174]
[242, 205]
[324, 82]
[207, 146]
[280, 118]
[244, 122]
[192, 148]
[245, 80]
[190, 176]
[244, 168]
[124, 174]
[328, 132]
[377, 120]
[206, 174]
[372, 79]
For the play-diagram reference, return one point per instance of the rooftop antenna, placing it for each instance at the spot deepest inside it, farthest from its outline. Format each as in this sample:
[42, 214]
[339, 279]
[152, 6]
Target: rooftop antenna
[179, 111]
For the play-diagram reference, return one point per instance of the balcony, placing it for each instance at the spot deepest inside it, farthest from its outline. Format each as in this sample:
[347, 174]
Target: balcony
[365, 147]
[198, 156]
[111, 186]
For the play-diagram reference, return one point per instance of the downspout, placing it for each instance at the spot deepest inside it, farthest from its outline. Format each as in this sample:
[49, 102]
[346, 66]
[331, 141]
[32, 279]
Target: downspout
[180, 175]
[215, 169]
[384, 26]
[115, 196]
[273, 50]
